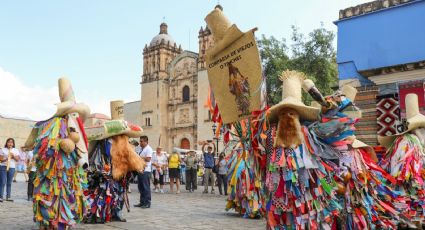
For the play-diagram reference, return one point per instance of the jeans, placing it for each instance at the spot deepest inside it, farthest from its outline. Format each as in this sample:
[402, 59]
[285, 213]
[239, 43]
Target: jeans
[191, 179]
[209, 173]
[6, 178]
[31, 184]
[144, 186]
[222, 180]
[182, 175]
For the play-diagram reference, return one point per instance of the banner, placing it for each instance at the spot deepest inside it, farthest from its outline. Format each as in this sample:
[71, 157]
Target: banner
[234, 70]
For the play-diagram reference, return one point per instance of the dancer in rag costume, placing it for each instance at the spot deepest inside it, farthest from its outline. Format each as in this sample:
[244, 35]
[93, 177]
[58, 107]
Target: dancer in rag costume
[405, 160]
[246, 164]
[60, 150]
[299, 186]
[111, 158]
[362, 187]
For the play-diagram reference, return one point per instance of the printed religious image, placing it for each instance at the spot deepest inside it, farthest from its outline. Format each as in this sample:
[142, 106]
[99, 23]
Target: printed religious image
[239, 87]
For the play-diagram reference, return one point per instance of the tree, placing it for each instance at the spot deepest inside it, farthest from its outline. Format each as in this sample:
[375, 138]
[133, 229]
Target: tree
[274, 61]
[314, 55]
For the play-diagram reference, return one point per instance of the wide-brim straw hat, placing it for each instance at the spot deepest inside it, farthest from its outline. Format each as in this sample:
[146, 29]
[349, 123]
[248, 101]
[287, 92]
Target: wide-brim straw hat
[292, 98]
[68, 104]
[114, 127]
[414, 119]
[361, 145]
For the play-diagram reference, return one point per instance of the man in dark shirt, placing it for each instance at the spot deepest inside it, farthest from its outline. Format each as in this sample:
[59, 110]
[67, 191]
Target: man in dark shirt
[209, 163]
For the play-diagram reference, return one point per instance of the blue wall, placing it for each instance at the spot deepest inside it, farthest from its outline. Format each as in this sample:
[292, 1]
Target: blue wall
[384, 38]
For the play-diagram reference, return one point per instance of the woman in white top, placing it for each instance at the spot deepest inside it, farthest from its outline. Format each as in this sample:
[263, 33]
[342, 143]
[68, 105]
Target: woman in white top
[159, 163]
[9, 156]
[21, 165]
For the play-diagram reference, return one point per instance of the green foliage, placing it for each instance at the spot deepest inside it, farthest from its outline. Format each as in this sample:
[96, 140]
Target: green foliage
[314, 55]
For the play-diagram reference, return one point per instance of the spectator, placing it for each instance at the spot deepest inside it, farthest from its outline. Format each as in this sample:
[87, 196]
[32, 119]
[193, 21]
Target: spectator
[208, 165]
[159, 161]
[222, 174]
[9, 155]
[191, 174]
[21, 166]
[174, 171]
[182, 169]
[31, 168]
[143, 178]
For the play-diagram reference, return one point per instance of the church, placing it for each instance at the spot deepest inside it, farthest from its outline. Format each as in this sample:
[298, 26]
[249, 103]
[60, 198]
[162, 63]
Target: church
[174, 90]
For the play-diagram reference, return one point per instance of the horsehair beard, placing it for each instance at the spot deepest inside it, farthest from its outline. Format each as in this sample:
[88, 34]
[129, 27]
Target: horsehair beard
[124, 158]
[288, 130]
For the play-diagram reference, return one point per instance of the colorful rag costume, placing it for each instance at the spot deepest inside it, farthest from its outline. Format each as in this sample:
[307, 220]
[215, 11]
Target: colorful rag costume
[111, 159]
[246, 167]
[60, 150]
[363, 188]
[298, 185]
[405, 160]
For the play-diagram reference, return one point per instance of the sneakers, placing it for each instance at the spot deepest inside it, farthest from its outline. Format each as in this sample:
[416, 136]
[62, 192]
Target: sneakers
[8, 199]
[178, 191]
[1, 199]
[156, 190]
[138, 205]
[146, 206]
[162, 191]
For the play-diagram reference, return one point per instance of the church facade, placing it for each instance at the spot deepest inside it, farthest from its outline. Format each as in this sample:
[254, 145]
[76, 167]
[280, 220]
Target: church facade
[174, 90]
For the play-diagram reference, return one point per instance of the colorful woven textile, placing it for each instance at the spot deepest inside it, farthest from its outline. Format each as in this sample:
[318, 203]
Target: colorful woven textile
[58, 188]
[388, 113]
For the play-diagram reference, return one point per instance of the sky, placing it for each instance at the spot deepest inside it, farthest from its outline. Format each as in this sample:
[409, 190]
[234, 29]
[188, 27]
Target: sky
[98, 44]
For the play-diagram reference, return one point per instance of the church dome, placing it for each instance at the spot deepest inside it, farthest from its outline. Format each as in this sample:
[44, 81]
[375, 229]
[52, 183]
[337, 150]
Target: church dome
[163, 34]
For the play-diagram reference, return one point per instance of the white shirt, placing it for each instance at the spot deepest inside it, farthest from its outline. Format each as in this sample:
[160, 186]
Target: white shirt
[30, 155]
[160, 160]
[5, 152]
[147, 152]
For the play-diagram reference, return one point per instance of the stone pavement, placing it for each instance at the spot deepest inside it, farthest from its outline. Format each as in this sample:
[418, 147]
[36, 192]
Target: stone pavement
[168, 211]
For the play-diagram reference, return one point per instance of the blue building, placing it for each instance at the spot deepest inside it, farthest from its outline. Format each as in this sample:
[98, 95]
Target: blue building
[381, 50]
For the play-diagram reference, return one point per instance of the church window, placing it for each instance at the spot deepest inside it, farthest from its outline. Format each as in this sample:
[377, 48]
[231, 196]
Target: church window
[209, 115]
[147, 121]
[186, 93]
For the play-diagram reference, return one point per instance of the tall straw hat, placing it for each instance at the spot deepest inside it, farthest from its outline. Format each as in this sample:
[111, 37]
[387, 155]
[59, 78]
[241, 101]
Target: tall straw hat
[218, 23]
[292, 98]
[68, 104]
[349, 92]
[414, 119]
[116, 126]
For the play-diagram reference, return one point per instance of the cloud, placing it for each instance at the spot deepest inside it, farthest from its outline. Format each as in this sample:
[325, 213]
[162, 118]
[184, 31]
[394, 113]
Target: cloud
[23, 101]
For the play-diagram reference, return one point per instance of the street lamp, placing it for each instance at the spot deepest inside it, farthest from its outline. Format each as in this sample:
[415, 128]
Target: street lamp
[214, 129]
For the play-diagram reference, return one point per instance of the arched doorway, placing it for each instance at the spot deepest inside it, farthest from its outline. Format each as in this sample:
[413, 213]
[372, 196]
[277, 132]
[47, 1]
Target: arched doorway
[185, 143]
